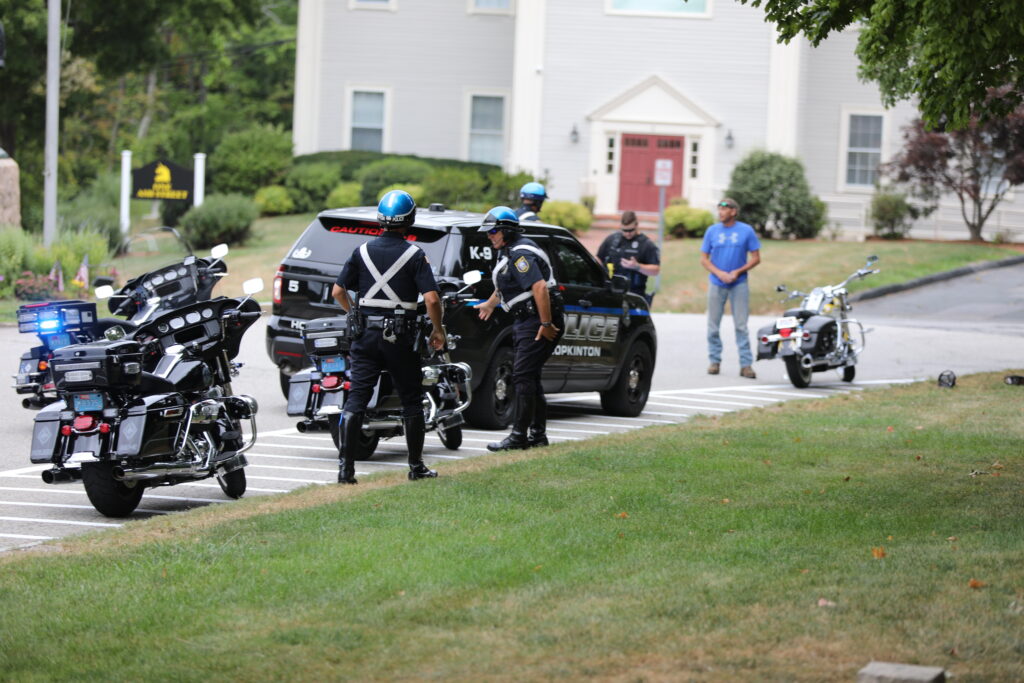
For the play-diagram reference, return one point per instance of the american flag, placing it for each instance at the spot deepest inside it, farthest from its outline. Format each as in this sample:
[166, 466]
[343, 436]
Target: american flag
[57, 275]
[82, 275]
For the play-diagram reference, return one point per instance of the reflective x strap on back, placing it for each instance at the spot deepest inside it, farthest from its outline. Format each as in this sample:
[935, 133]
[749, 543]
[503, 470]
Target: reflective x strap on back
[380, 282]
[528, 216]
[551, 272]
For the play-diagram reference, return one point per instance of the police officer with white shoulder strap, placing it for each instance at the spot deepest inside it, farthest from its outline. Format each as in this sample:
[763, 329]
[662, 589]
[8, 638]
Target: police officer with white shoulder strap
[389, 273]
[532, 196]
[524, 285]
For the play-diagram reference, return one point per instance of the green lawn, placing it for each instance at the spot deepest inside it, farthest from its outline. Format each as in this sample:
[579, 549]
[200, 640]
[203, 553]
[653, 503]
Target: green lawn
[791, 542]
[801, 265]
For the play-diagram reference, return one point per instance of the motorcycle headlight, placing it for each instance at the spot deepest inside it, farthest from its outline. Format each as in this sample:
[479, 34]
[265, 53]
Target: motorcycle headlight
[430, 375]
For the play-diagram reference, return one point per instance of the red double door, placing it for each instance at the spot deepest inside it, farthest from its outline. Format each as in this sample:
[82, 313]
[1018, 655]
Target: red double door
[637, 191]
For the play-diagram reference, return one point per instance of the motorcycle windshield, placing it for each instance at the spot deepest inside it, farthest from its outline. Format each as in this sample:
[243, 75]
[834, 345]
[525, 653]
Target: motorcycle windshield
[148, 251]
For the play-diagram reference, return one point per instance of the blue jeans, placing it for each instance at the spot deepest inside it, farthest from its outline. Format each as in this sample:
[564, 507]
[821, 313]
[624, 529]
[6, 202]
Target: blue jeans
[739, 303]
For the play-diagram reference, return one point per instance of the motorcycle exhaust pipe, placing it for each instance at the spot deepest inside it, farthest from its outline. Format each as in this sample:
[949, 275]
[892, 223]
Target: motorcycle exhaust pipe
[57, 476]
[31, 403]
[157, 471]
[387, 423]
[807, 361]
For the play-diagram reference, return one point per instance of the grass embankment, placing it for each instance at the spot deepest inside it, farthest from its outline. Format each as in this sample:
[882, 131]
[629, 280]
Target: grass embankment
[792, 542]
[804, 265]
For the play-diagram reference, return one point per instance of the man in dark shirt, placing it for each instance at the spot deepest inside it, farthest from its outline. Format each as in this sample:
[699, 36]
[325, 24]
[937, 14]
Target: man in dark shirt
[388, 273]
[632, 254]
[523, 284]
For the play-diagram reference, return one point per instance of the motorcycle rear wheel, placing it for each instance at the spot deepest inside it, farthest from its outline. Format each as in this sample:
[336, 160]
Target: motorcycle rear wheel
[367, 441]
[233, 483]
[451, 437]
[798, 374]
[109, 496]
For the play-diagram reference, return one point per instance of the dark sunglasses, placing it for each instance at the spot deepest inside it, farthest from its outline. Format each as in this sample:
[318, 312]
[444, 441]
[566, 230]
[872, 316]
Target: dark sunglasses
[494, 231]
[628, 228]
[726, 205]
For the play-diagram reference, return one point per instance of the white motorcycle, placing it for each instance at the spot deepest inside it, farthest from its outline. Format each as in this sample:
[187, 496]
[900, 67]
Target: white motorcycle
[818, 335]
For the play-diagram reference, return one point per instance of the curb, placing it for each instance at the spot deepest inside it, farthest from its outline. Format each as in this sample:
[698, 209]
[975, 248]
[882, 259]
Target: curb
[934, 277]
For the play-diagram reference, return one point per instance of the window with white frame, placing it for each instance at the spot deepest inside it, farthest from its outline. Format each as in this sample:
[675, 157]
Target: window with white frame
[367, 120]
[372, 4]
[863, 149]
[491, 6]
[680, 8]
[487, 129]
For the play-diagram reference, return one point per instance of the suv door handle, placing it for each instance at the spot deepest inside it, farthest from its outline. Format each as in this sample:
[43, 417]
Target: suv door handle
[585, 303]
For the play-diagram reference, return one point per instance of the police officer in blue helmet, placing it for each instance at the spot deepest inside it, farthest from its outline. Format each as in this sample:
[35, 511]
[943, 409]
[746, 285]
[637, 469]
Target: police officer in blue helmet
[532, 196]
[524, 286]
[388, 273]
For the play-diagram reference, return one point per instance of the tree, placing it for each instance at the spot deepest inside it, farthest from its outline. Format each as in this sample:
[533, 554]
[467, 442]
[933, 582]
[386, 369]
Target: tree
[945, 53]
[773, 194]
[978, 164]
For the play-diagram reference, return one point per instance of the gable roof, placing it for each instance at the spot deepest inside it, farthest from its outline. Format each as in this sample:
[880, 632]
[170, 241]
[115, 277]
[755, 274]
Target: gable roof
[653, 101]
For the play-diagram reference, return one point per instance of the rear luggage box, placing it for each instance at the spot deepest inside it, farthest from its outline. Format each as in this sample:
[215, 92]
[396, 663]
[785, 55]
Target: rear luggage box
[100, 365]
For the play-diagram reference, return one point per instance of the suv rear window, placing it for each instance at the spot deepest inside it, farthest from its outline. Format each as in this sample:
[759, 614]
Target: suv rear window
[332, 240]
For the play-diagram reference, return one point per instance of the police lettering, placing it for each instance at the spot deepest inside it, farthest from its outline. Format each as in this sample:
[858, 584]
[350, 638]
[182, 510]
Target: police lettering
[570, 350]
[479, 253]
[589, 327]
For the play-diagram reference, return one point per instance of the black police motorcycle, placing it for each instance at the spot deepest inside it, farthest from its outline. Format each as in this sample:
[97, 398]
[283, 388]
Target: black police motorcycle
[153, 407]
[62, 323]
[318, 393]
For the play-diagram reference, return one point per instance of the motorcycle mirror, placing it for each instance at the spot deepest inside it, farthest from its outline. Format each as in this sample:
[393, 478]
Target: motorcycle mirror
[252, 286]
[115, 333]
[780, 288]
[871, 260]
[101, 280]
[472, 277]
[219, 251]
[104, 292]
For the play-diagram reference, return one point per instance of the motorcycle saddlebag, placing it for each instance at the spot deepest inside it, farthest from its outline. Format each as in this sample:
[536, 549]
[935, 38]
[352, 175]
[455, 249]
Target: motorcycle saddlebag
[326, 336]
[151, 426]
[766, 351]
[45, 431]
[814, 327]
[298, 392]
[99, 365]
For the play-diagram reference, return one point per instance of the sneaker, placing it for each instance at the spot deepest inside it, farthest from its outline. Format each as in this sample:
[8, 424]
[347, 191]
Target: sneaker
[713, 369]
[748, 372]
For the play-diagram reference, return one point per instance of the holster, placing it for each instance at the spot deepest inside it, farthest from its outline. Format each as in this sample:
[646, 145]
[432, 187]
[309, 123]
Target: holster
[356, 325]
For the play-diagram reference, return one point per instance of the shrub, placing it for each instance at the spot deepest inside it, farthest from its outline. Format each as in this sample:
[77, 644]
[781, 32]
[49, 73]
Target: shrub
[247, 160]
[34, 287]
[16, 248]
[309, 184]
[222, 218]
[273, 200]
[774, 195]
[682, 220]
[503, 189]
[891, 214]
[349, 162]
[345, 194]
[172, 211]
[95, 209]
[415, 191]
[387, 172]
[453, 187]
[569, 215]
[71, 248]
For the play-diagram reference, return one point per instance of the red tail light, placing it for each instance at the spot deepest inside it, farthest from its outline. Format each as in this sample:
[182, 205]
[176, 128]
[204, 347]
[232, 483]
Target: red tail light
[65, 430]
[84, 423]
[346, 386]
[315, 388]
[785, 332]
[330, 382]
[764, 340]
[278, 283]
[104, 428]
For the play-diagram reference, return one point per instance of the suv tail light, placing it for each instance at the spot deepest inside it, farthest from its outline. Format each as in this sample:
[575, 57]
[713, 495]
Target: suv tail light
[278, 284]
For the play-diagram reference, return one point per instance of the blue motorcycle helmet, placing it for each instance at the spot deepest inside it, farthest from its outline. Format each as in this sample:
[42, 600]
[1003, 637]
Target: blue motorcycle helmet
[397, 209]
[501, 218]
[534, 192]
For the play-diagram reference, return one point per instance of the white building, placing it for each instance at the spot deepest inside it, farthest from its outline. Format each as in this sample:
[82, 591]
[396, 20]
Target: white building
[589, 93]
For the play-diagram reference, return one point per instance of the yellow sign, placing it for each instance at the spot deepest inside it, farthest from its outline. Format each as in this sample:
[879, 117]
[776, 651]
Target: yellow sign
[162, 180]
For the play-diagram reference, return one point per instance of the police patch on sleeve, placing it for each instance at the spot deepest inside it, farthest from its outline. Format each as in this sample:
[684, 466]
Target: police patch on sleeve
[522, 265]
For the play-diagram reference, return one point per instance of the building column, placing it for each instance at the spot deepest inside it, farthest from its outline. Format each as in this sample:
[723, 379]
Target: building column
[308, 61]
[784, 96]
[524, 126]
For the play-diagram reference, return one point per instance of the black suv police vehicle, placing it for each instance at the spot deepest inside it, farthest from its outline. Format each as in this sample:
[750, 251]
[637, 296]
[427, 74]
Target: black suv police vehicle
[609, 343]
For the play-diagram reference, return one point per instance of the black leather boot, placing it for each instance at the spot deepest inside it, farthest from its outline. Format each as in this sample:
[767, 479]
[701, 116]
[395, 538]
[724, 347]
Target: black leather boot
[351, 424]
[517, 439]
[539, 426]
[414, 432]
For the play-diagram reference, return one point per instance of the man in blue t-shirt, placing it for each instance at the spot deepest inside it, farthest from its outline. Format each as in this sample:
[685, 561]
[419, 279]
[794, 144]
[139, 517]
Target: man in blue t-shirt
[730, 249]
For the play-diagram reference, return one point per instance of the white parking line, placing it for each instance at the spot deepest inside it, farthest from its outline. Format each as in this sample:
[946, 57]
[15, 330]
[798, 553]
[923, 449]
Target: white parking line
[304, 448]
[793, 394]
[73, 507]
[699, 399]
[58, 521]
[34, 469]
[683, 405]
[292, 469]
[26, 537]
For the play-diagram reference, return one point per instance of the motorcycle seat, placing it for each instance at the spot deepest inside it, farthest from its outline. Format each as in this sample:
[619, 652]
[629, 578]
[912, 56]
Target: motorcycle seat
[155, 384]
[802, 313]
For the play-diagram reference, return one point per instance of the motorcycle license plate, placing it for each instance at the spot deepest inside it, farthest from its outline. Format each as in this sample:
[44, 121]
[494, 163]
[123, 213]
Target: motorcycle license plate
[787, 322]
[86, 402]
[332, 364]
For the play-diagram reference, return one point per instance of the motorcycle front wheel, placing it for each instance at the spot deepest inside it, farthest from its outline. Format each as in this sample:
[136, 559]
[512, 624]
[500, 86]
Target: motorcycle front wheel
[849, 372]
[451, 437]
[367, 441]
[798, 374]
[109, 496]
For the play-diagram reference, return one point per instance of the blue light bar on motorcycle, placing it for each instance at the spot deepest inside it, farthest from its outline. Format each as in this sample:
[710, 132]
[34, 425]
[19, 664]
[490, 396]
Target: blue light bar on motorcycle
[53, 317]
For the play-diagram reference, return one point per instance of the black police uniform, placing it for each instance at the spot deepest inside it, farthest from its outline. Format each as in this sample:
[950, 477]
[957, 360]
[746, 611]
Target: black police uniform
[525, 213]
[386, 338]
[617, 247]
[521, 264]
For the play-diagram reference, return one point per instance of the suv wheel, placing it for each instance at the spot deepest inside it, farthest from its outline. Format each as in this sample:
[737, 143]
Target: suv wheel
[628, 395]
[284, 378]
[492, 404]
